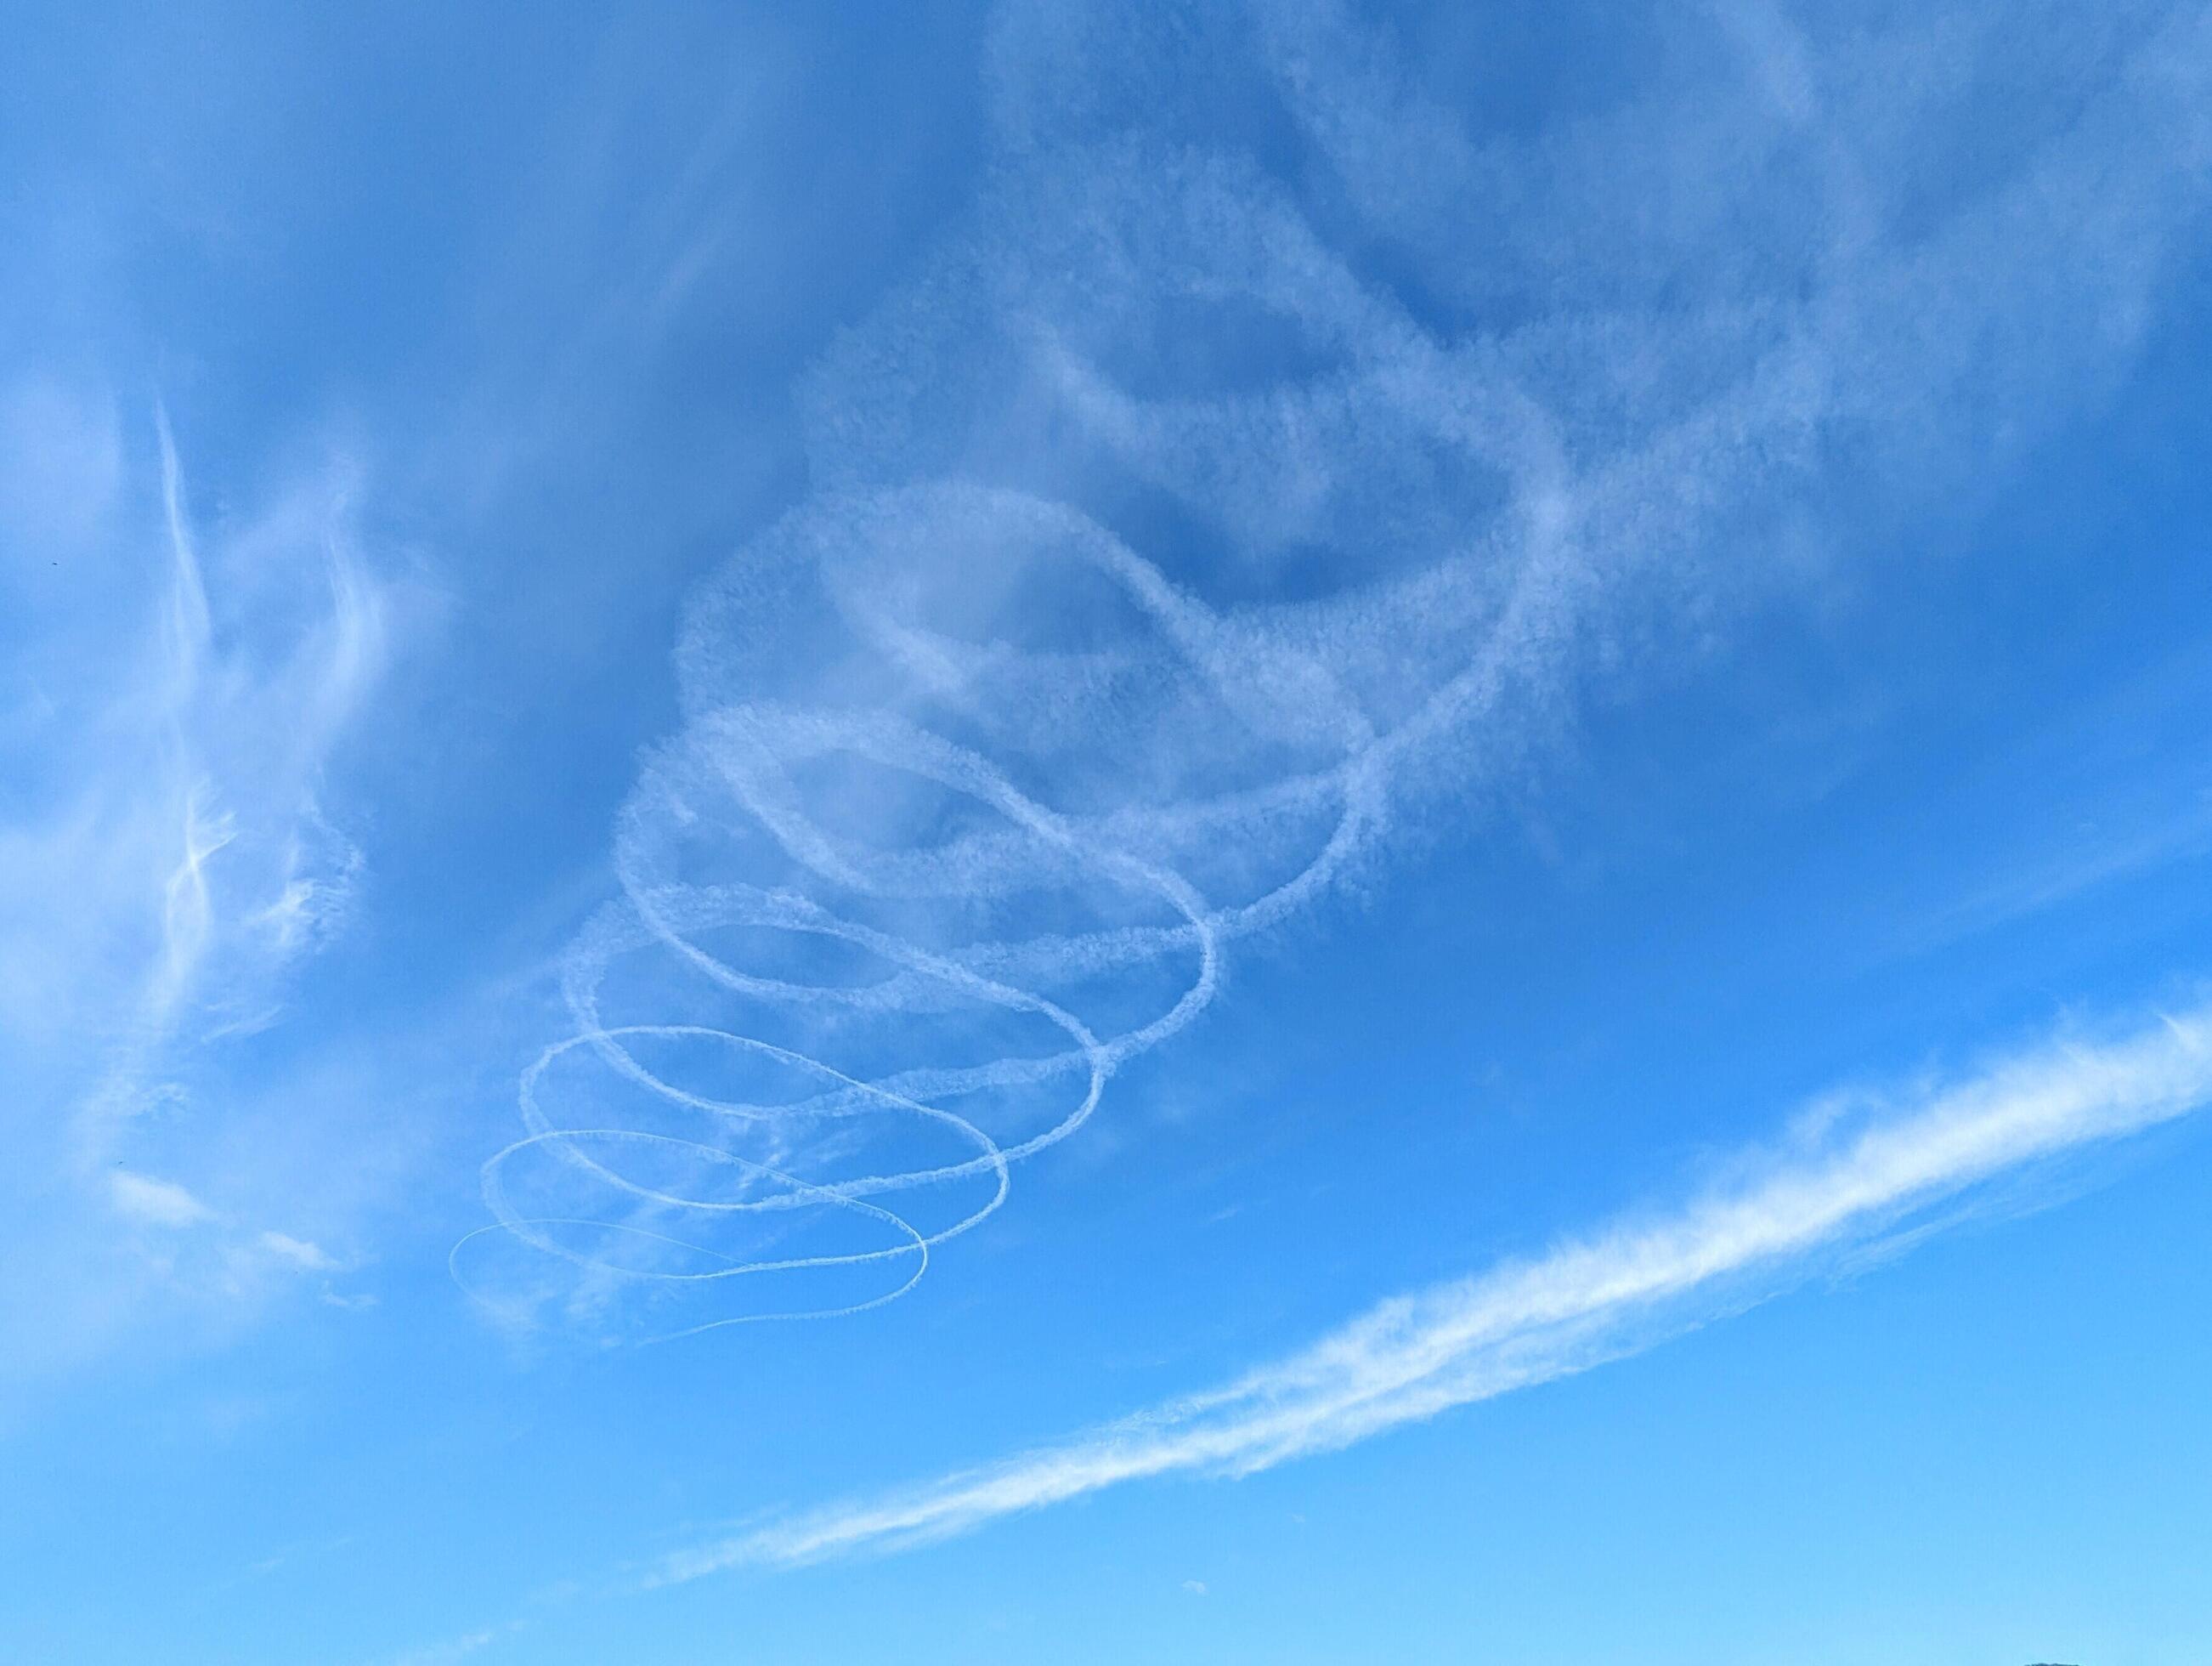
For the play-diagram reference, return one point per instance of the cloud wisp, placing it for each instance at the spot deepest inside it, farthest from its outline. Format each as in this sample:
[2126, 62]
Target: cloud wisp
[168, 867]
[1578, 1304]
[1162, 560]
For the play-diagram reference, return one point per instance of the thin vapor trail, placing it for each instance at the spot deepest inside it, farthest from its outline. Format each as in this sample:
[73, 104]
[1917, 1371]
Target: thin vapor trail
[1582, 1303]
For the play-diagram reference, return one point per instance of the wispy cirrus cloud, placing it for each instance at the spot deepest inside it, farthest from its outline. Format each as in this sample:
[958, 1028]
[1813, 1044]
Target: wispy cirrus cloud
[166, 861]
[1622, 1288]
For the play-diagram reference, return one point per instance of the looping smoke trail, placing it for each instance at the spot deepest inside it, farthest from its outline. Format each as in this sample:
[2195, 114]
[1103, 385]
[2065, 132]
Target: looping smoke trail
[744, 1162]
[960, 765]
[969, 801]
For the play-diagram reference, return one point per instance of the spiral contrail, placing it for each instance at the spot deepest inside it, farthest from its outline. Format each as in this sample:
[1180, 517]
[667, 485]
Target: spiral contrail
[954, 743]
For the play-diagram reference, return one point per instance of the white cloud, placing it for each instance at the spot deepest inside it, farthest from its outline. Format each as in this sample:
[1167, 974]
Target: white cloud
[144, 1199]
[166, 858]
[295, 1252]
[1581, 1302]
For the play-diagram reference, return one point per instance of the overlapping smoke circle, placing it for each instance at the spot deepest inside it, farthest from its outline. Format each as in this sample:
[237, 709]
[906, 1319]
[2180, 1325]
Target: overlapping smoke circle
[746, 752]
[1498, 490]
[1361, 447]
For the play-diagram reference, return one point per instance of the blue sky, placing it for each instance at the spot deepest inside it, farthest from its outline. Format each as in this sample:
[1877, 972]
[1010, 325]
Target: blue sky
[1297, 832]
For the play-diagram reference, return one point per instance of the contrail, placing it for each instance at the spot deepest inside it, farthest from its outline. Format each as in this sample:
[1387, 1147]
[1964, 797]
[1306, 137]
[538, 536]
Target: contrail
[971, 802]
[1578, 1304]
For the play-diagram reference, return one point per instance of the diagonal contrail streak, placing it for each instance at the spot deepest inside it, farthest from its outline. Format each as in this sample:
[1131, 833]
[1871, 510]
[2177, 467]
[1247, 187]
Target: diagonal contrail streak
[1582, 1303]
